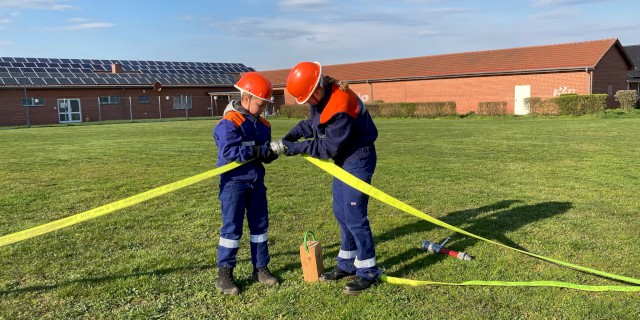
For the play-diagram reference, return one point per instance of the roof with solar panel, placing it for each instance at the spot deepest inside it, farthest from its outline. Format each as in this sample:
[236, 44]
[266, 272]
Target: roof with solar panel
[52, 72]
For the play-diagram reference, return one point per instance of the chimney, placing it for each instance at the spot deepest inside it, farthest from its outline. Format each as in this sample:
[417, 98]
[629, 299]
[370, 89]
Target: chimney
[116, 68]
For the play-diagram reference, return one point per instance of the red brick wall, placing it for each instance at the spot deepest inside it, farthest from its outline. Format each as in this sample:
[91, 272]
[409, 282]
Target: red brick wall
[468, 92]
[610, 72]
[13, 114]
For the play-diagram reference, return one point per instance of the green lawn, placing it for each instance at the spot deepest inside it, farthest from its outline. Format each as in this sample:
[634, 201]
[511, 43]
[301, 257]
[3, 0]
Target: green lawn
[564, 188]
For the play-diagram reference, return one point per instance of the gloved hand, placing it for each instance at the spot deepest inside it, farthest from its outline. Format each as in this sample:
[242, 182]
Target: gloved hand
[291, 148]
[283, 147]
[289, 137]
[264, 153]
[278, 147]
[270, 156]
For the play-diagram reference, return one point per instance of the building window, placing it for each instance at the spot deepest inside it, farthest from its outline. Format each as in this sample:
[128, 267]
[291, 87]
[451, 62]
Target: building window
[109, 99]
[33, 102]
[182, 101]
[144, 99]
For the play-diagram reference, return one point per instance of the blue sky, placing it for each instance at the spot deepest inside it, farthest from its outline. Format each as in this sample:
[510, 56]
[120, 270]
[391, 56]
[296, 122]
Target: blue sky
[278, 34]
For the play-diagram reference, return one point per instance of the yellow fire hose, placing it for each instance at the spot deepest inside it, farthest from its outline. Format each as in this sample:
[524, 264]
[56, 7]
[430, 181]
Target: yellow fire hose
[355, 183]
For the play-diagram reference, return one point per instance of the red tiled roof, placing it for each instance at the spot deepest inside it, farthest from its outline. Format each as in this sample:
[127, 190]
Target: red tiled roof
[548, 58]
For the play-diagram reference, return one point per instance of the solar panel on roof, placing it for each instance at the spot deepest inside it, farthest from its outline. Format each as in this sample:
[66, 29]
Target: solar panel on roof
[10, 81]
[38, 81]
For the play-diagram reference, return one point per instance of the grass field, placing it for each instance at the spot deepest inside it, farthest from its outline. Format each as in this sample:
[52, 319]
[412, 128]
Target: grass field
[565, 188]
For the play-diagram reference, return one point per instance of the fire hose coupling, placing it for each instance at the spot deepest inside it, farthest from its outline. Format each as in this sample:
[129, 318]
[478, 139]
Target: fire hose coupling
[439, 248]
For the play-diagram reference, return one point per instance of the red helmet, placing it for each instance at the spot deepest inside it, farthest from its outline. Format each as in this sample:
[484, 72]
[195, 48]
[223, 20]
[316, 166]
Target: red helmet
[256, 85]
[303, 80]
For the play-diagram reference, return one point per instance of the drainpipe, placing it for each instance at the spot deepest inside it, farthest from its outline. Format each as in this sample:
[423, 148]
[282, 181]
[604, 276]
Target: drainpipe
[370, 89]
[589, 75]
[26, 99]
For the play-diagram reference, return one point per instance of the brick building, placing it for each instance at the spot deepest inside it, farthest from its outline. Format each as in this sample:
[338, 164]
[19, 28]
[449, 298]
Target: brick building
[634, 75]
[49, 91]
[468, 78]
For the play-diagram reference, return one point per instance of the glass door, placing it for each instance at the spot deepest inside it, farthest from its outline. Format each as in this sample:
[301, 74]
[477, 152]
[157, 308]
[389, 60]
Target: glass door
[69, 110]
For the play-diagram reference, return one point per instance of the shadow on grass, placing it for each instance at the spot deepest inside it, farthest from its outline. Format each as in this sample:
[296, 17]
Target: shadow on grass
[242, 281]
[108, 278]
[491, 222]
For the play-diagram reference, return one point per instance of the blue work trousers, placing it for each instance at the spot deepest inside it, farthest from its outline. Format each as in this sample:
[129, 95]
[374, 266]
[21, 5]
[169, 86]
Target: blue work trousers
[236, 199]
[357, 251]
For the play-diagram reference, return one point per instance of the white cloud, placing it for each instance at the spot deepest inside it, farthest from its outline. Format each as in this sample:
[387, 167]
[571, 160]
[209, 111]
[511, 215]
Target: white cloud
[36, 4]
[452, 10]
[87, 26]
[429, 33]
[78, 20]
[4, 21]
[261, 29]
[186, 17]
[287, 5]
[538, 3]
[556, 14]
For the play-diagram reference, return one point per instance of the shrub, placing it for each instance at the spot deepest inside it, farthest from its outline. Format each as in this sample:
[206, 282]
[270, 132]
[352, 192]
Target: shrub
[388, 110]
[396, 110]
[495, 108]
[536, 105]
[295, 111]
[574, 104]
[435, 109]
[627, 99]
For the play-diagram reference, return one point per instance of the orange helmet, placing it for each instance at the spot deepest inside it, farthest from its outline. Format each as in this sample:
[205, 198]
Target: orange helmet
[256, 85]
[303, 80]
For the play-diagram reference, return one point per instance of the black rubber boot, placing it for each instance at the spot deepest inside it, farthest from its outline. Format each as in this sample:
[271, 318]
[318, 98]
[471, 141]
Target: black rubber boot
[358, 285]
[263, 275]
[225, 281]
[335, 274]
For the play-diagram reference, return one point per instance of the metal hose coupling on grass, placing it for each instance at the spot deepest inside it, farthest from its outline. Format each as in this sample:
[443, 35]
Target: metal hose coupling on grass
[439, 248]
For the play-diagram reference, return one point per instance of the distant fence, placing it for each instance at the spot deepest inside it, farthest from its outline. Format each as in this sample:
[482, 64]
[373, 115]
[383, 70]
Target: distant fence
[22, 108]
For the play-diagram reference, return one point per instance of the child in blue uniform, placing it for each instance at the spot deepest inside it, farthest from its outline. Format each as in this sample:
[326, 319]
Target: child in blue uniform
[340, 128]
[243, 135]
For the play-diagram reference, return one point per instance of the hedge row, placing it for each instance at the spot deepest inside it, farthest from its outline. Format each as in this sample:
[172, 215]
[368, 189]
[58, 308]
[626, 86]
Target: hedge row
[389, 110]
[568, 104]
[497, 108]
